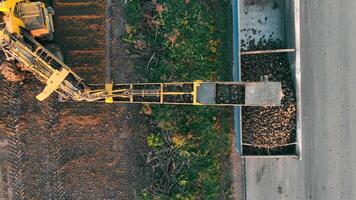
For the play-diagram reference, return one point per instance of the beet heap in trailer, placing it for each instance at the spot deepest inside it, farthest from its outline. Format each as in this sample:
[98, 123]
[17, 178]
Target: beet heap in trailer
[267, 46]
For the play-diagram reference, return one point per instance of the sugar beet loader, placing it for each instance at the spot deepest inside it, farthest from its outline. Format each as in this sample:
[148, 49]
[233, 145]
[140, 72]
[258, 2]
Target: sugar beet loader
[26, 25]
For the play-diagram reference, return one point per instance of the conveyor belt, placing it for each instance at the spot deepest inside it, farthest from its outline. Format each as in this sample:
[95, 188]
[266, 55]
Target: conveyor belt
[194, 93]
[58, 77]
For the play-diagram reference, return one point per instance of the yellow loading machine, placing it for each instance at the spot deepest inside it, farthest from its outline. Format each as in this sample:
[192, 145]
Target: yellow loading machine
[24, 21]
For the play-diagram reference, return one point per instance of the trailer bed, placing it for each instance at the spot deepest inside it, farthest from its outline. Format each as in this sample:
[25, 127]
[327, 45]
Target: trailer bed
[267, 40]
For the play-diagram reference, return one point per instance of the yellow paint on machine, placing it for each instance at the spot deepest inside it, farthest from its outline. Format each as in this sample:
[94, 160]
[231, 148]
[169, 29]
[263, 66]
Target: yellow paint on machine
[108, 90]
[53, 83]
[11, 9]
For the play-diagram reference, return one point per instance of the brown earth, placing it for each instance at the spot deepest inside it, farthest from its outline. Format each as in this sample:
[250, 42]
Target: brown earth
[74, 150]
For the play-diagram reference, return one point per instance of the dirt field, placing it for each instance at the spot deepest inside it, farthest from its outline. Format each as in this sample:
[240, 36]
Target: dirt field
[52, 150]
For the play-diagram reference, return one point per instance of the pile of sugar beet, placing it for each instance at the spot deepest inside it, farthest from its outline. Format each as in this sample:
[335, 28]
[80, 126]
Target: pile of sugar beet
[269, 127]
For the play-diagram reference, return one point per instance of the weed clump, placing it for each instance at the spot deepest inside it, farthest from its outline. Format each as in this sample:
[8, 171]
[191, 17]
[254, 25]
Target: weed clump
[184, 41]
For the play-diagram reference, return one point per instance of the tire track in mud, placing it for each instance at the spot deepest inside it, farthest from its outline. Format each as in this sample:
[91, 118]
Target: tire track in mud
[39, 128]
[86, 136]
[16, 147]
[33, 153]
[98, 141]
[53, 161]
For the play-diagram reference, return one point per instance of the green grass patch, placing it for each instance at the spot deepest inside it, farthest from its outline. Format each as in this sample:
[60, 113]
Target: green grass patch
[185, 40]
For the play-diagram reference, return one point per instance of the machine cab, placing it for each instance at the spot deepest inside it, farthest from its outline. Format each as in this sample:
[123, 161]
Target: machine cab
[33, 16]
[37, 19]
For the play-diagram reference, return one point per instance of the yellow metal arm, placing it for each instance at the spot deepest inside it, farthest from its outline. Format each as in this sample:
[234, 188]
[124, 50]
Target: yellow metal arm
[59, 78]
[53, 83]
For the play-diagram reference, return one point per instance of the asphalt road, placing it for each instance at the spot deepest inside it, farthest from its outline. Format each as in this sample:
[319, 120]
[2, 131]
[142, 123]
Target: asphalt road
[328, 168]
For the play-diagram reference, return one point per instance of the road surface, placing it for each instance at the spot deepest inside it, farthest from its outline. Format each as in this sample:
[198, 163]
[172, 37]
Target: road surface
[328, 168]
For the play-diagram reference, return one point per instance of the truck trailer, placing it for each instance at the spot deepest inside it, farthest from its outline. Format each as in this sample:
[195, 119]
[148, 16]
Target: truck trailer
[266, 44]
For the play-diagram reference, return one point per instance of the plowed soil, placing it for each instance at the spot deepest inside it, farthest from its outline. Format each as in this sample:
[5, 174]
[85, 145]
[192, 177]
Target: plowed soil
[80, 30]
[52, 150]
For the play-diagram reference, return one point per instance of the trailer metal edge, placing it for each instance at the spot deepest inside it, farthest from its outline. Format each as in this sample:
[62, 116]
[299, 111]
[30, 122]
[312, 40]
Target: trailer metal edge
[298, 75]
